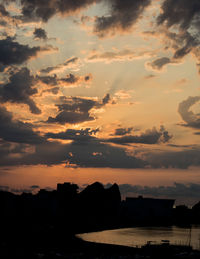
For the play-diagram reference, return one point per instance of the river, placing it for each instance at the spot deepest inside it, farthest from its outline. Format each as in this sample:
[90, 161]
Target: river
[138, 236]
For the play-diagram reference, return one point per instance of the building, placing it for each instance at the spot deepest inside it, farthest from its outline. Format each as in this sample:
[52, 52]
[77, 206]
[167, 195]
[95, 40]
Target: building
[146, 210]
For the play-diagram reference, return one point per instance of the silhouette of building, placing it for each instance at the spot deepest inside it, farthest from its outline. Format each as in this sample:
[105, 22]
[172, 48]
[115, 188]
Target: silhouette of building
[196, 213]
[134, 210]
[67, 189]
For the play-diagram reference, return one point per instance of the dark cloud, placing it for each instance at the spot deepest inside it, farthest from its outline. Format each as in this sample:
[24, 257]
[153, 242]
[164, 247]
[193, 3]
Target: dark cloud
[54, 90]
[66, 64]
[106, 99]
[159, 63]
[122, 16]
[180, 12]
[3, 11]
[40, 33]
[191, 119]
[17, 131]
[182, 159]
[152, 136]
[45, 9]
[85, 150]
[19, 89]
[149, 137]
[76, 110]
[70, 79]
[185, 17]
[46, 153]
[48, 80]
[97, 154]
[88, 153]
[123, 131]
[187, 45]
[14, 53]
[87, 78]
[56, 83]
[72, 134]
[9, 149]
[5, 18]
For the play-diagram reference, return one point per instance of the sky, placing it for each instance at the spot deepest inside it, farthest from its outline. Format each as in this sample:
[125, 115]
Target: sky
[101, 90]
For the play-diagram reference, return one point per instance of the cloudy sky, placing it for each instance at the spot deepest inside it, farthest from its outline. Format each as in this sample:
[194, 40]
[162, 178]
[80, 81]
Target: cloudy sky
[103, 90]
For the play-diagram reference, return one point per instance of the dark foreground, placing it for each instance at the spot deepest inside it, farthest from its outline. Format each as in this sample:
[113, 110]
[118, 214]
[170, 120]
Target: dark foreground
[44, 225]
[50, 244]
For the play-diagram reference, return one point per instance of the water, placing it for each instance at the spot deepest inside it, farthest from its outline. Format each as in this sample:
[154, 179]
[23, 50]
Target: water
[138, 236]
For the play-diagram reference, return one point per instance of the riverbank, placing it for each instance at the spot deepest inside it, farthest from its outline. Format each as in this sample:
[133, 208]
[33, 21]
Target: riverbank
[62, 247]
[139, 235]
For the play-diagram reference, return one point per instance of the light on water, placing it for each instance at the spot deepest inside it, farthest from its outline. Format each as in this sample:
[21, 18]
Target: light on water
[139, 236]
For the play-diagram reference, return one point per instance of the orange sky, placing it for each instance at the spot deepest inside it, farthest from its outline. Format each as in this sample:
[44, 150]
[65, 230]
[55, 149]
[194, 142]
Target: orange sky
[110, 88]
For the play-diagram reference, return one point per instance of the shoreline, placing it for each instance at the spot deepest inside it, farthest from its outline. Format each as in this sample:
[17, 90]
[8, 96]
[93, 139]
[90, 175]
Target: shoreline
[51, 246]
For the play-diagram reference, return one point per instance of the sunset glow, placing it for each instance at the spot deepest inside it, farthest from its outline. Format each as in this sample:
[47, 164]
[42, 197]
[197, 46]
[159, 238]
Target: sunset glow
[98, 90]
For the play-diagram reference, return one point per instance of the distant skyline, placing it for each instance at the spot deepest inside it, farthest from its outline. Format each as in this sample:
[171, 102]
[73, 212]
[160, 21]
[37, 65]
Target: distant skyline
[100, 90]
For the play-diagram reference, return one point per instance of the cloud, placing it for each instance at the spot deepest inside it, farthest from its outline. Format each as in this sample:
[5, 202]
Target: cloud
[191, 119]
[152, 136]
[71, 79]
[14, 53]
[174, 159]
[3, 11]
[180, 12]
[17, 131]
[69, 63]
[84, 151]
[122, 16]
[19, 89]
[123, 131]
[122, 55]
[106, 99]
[20, 145]
[6, 20]
[76, 110]
[158, 64]
[72, 134]
[40, 33]
[44, 10]
[148, 137]
[47, 153]
[96, 154]
[67, 81]
[54, 90]
[48, 80]
[181, 19]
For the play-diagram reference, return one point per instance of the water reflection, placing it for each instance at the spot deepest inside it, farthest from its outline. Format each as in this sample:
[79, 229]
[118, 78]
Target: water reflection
[140, 235]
